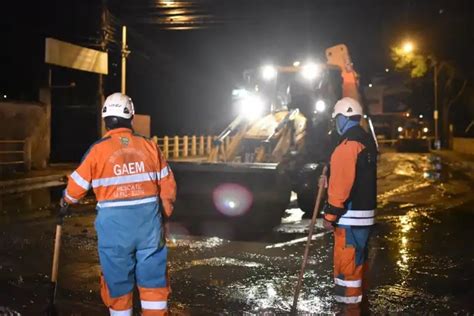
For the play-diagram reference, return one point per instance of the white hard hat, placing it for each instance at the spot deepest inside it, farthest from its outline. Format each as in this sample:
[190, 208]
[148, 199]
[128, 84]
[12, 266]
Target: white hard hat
[118, 104]
[347, 107]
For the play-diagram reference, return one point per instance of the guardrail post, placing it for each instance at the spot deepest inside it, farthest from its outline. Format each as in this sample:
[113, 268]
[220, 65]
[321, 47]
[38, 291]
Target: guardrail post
[209, 144]
[185, 146]
[193, 145]
[201, 145]
[214, 138]
[27, 154]
[166, 147]
[176, 147]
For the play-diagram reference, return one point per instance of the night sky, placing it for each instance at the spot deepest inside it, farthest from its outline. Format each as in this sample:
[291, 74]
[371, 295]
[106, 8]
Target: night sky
[187, 56]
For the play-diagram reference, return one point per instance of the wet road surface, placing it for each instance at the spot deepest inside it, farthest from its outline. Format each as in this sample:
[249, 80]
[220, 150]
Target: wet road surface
[421, 256]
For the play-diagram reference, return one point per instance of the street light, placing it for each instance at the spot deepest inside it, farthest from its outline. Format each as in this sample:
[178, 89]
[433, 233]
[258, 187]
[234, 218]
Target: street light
[408, 47]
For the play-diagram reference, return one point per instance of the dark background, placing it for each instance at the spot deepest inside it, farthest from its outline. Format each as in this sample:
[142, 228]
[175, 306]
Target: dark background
[187, 56]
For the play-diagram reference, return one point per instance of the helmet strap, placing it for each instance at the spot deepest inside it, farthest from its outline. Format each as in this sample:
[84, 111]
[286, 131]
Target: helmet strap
[113, 122]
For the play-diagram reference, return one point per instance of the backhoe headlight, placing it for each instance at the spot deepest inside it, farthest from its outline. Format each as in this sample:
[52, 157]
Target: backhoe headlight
[251, 107]
[268, 72]
[310, 71]
[320, 106]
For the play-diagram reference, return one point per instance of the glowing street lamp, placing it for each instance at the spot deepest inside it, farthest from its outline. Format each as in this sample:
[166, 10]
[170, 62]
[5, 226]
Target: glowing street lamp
[408, 47]
[404, 50]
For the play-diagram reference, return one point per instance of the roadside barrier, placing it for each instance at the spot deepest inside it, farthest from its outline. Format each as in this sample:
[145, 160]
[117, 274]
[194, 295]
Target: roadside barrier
[176, 147]
[15, 152]
[463, 145]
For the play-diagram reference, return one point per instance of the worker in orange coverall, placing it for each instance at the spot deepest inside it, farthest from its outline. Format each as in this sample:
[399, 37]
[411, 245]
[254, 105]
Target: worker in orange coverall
[352, 199]
[130, 177]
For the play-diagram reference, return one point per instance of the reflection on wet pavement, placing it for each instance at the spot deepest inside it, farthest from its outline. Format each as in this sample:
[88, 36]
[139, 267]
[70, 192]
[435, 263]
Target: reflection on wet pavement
[421, 257]
[180, 241]
[276, 294]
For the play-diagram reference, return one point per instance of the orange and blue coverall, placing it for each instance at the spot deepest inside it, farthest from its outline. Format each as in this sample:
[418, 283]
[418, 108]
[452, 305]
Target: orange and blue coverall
[352, 199]
[130, 177]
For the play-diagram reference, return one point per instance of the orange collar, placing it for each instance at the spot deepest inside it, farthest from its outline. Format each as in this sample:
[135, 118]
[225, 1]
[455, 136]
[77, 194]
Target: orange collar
[118, 130]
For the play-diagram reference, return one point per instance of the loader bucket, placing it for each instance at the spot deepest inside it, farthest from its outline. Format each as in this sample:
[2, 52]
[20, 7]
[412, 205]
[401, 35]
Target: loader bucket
[229, 199]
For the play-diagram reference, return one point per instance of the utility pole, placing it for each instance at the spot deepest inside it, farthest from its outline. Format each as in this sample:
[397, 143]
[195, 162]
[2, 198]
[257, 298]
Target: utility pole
[436, 113]
[125, 53]
[103, 47]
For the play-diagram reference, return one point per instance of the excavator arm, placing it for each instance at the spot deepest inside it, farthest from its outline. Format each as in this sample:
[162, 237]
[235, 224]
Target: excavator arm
[339, 56]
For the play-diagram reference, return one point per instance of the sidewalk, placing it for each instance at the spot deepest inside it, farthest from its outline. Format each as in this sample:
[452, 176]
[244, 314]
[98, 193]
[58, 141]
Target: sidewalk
[456, 155]
[463, 162]
[54, 175]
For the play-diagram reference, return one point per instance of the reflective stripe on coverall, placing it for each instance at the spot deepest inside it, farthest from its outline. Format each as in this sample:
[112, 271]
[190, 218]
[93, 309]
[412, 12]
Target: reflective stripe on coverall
[355, 216]
[129, 177]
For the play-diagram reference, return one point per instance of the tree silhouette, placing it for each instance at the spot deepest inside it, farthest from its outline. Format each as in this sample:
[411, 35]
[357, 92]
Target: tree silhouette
[451, 81]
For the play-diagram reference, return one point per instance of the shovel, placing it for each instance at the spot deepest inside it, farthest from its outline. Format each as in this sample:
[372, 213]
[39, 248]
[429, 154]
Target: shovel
[308, 243]
[51, 308]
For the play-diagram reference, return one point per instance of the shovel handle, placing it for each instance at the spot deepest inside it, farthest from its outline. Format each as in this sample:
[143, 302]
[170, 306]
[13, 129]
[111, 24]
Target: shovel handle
[57, 247]
[308, 243]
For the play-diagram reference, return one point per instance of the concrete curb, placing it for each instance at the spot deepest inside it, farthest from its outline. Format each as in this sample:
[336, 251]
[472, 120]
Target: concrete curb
[26, 184]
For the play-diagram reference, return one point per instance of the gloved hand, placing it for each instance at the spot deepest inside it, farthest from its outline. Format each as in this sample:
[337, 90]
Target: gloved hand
[329, 221]
[328, 225]
[64, 209]
[168, 208]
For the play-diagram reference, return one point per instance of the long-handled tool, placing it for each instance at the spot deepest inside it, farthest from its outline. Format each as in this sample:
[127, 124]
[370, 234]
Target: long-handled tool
[308, 243]
[51, 309]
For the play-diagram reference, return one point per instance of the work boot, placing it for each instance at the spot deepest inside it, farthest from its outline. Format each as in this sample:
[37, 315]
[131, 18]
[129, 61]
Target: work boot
[349, 310]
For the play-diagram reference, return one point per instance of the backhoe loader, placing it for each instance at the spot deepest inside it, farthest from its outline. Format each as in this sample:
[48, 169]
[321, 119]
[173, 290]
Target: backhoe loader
[277, 144]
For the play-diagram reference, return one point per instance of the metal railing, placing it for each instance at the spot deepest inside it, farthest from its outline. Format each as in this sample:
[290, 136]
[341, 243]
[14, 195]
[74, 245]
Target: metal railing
[178, 147]
[15, 152]
[386, 142]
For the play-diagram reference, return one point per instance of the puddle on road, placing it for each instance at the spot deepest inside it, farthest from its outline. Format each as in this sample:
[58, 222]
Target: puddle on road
[217, 262]
[426, 264]
[275, 293]
[437, 170]
[432, 182]
[417, 265]
[421, 258]
[403, 299]
[33, 205]
[196, 244]
[27, 205]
